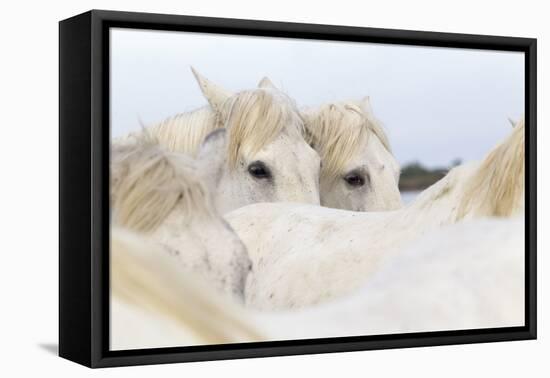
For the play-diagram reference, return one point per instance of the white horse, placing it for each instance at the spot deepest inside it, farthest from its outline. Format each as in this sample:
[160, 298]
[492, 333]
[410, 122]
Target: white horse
[477, 282]
[303, 255]
[463, 276]
[160, 194]
[358, 169]
[257, 135]
[156, 303]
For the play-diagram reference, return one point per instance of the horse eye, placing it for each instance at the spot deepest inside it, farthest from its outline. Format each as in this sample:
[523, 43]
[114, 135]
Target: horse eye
[259, 170]
[355, 180]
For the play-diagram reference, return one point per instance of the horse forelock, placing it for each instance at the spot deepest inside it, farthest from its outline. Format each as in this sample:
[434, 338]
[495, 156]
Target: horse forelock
[255, 118]
[148, 183]
[338, 131]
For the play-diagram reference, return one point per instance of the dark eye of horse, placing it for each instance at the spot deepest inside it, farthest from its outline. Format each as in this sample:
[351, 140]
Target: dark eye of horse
[355, 180]
[259, 170]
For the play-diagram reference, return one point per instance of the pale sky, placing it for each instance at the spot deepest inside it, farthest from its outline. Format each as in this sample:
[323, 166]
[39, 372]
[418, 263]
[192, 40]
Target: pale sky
[437, 104]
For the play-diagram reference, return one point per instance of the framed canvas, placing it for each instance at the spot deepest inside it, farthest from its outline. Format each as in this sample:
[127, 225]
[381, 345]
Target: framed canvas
[236, 188]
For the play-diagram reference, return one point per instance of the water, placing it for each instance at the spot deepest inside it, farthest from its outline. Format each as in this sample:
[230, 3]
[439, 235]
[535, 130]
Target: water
[409, 196]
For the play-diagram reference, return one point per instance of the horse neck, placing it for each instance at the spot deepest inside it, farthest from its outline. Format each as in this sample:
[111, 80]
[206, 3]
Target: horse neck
[179, 236]
[438, 205]
[493, 187]
[206, 246]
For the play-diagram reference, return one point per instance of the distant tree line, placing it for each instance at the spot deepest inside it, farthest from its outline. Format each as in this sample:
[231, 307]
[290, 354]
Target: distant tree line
[414, 176]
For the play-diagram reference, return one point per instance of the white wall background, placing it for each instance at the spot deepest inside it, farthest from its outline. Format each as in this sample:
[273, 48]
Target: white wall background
[28, 147]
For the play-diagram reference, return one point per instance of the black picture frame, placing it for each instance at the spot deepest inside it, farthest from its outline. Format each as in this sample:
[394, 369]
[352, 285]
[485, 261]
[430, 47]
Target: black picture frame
[84, 201]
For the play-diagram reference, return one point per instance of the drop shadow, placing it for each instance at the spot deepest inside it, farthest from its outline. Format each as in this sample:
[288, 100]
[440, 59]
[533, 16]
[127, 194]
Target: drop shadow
[51, 348]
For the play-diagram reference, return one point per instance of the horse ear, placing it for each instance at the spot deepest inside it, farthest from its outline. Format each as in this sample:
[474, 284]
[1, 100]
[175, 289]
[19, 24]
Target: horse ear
[512, 122]
[215, 143]
[366, 105]
[308, 116]
[266, 83]
[215, 94]
[211, 156]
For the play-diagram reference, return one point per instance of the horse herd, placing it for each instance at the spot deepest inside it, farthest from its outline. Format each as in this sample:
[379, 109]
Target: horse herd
[250, 219]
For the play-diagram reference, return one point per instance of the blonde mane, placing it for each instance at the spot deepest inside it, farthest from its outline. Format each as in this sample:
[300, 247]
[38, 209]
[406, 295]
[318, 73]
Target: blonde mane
[498, 185]
[337, 131]
[256, 117]
[148, 182]
[253, 119]
[185, 132]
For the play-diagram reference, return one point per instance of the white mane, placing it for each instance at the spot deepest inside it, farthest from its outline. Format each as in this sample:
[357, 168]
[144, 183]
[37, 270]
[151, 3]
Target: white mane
[498, 186]
[256, 117]
[148, 182]
[492, 188]
[185, 132]
[337, 131]
[253, 119]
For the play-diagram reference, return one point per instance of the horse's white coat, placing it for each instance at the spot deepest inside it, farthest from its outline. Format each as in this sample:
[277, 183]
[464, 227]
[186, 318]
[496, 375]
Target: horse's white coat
[302, 255]
[374, 271]
[476, 282]
[464, 276]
